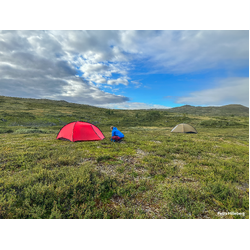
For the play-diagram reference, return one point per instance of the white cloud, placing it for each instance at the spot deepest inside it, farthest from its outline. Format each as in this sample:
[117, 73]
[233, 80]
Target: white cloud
[133, 106]
[120, 80]
[137, 84]
[44, 63]
[227, 91]
[189, 51]
[78, 91]
[101, 73]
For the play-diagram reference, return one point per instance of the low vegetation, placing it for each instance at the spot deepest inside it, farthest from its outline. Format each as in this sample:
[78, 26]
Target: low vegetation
[152, 174]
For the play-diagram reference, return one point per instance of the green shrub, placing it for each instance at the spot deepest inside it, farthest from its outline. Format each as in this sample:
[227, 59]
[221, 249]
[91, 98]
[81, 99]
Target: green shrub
[110, 112]
[104, 158]
[220, 123]
[120, 169]
[6, 130]
[32, 131]
[153, 115]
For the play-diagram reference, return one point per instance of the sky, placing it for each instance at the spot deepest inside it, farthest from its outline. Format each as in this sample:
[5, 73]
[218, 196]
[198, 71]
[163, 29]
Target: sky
[127, 69]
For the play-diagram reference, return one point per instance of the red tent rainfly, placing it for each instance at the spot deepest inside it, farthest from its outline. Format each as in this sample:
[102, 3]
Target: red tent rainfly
[80, 131]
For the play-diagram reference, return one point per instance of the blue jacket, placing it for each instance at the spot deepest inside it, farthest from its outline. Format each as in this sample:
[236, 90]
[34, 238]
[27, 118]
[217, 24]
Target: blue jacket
[116, 132]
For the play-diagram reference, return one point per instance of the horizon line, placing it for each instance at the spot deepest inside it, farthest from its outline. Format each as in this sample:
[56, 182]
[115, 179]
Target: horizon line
[201, 106]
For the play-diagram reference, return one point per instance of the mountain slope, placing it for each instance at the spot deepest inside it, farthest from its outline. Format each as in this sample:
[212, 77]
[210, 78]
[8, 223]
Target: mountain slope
[227, 110]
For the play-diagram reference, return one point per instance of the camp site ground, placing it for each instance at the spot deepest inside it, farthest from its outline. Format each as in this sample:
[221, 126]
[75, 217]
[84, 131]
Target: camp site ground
[154, 174]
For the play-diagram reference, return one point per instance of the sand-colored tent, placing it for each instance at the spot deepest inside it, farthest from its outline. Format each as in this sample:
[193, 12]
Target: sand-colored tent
[184, 128]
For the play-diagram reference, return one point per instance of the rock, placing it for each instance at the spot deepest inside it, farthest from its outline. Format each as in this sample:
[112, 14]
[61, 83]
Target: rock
[156, 141]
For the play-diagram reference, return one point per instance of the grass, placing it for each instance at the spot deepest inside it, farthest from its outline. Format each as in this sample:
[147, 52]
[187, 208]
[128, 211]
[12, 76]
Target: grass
[154, 174]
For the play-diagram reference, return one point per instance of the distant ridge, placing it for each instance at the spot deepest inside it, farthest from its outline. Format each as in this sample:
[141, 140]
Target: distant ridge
[226, 110]
[36, 101]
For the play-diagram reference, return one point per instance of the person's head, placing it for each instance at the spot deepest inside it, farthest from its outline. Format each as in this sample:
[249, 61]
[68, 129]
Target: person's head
[111, 127]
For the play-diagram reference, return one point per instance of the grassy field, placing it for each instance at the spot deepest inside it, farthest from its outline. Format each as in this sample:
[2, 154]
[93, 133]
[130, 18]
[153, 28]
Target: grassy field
[153, 174]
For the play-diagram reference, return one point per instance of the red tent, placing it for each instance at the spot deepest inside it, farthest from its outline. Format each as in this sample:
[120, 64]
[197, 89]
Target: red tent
[80, 131]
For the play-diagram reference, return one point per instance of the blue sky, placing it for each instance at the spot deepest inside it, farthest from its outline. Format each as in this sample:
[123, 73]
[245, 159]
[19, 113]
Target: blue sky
[166, 89]
[127, 69]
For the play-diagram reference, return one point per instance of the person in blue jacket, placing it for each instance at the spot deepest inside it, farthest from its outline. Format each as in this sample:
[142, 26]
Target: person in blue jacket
[117, 135]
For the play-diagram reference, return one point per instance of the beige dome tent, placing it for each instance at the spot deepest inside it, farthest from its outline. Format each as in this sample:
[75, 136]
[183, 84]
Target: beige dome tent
[184, 128]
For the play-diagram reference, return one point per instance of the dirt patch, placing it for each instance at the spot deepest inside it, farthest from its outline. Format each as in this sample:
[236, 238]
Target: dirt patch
[226, 157]
[178, 163]
[117, 200]
[185, 180]
[152, 210]
[138, 178]
[244, 187]
[141, 153]
[128, 159]
[204, 167]
[212, 154]
[176, 155]
[158, 142]
[141, 170]
[109, 169]
[84, 160]
[180, 209]
[189, 182]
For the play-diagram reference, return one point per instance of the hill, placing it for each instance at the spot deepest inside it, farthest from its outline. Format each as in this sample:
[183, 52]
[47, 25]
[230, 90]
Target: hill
[227, 110]
[16, 112]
